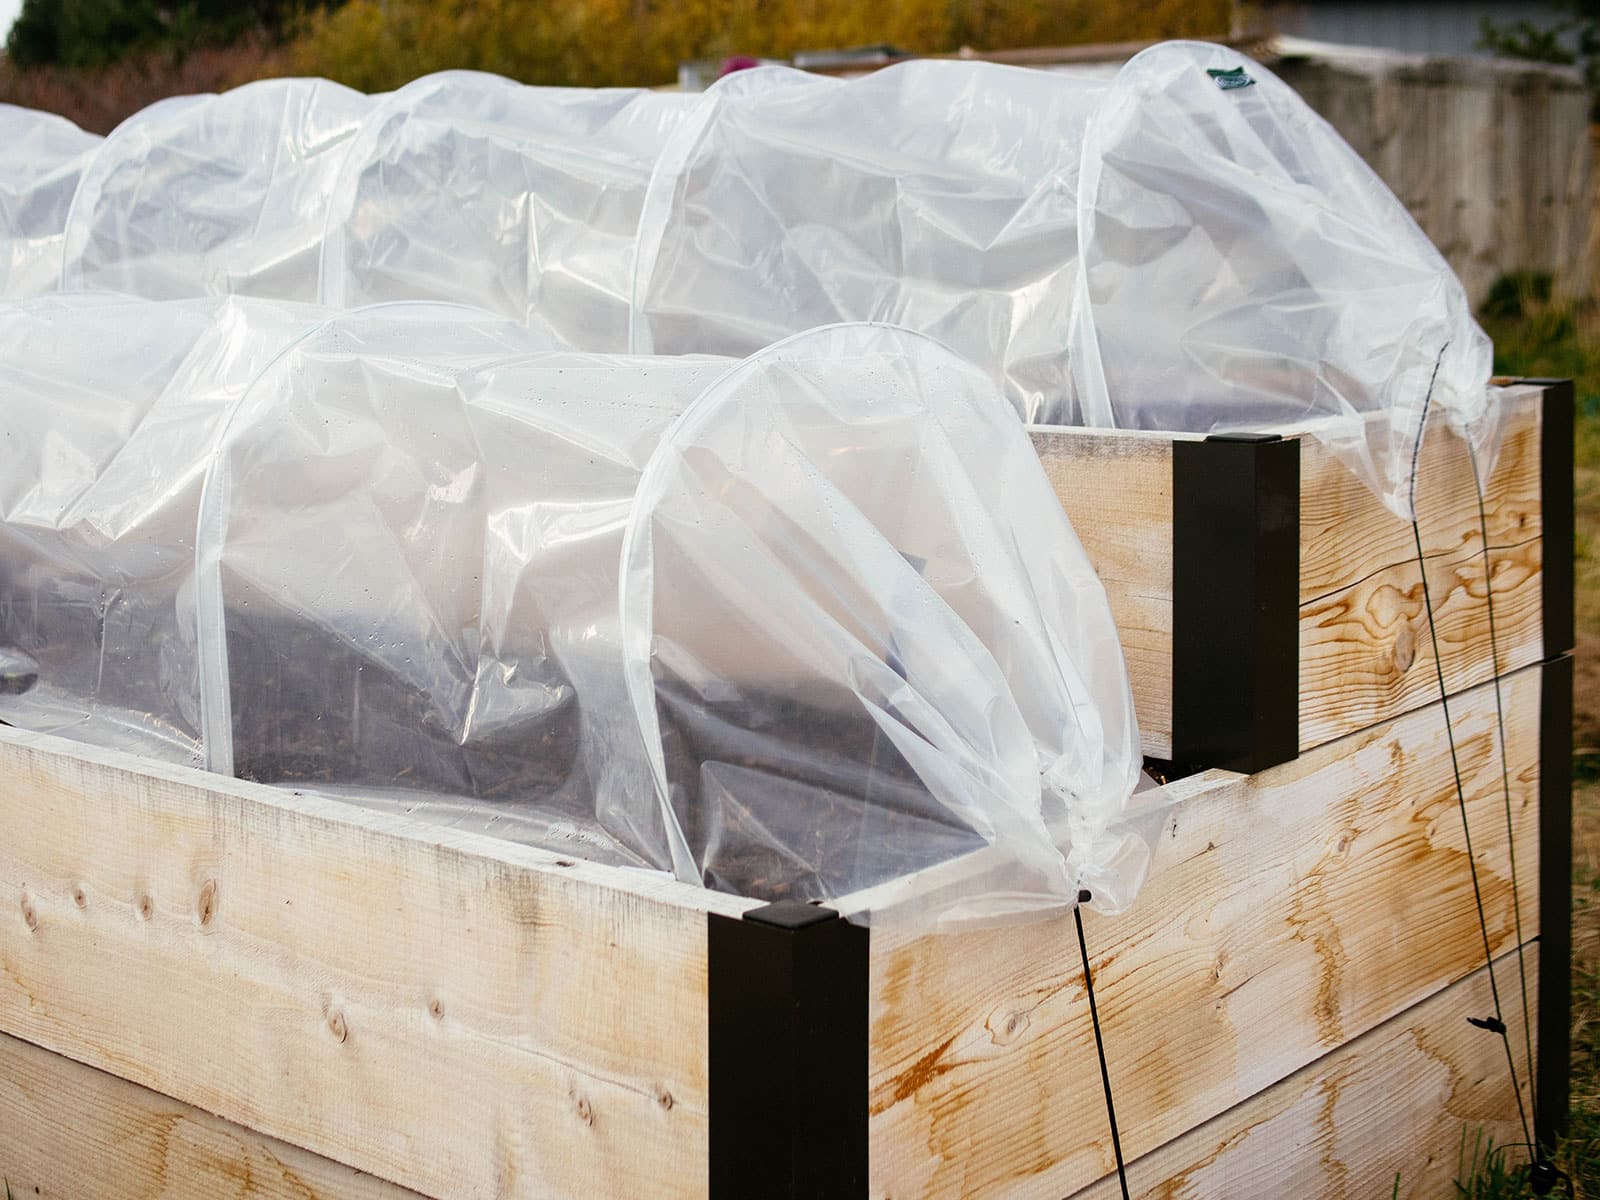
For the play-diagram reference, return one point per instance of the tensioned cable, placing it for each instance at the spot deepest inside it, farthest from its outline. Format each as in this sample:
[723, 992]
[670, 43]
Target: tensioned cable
[1505, 785]
[1496, 1024]
[1100, 1045]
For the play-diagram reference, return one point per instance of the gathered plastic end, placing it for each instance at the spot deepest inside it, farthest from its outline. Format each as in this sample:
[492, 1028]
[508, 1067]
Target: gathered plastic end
[849, 656]
[1244, 268]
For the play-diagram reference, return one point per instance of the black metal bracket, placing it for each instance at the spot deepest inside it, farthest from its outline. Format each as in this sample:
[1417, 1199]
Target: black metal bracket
[788, 1054]
[1235, 601]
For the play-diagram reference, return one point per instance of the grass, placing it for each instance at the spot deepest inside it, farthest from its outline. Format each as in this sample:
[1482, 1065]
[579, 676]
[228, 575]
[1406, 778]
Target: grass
[1485, 1171]
[1536, 335]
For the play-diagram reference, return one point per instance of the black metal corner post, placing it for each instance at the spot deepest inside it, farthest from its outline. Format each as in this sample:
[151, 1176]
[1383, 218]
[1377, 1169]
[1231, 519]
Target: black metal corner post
[1558, 518]
[1553, 1074]
[1235, 601]
[1558, 524]
[788, 1054]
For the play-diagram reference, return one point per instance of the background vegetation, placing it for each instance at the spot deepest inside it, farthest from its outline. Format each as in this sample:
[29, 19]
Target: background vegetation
[97, 61]
[375, 45]
[94, 33]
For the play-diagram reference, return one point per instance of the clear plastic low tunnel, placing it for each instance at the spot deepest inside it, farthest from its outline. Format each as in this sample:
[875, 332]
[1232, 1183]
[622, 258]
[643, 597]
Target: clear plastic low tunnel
[756, 623]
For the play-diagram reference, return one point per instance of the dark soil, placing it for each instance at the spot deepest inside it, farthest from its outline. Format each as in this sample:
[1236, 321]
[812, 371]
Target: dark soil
[780, 797]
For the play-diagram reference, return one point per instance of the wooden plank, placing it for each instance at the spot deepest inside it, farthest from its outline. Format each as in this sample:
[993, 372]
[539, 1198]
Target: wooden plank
[68, 1131]
[1117, 491]
[1365, 650]
[1288, 912]
[456, 1014]
[1393, 1103]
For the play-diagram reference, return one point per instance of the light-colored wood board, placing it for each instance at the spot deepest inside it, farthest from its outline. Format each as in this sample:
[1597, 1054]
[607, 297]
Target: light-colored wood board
[1394, 1103]
[70, 1132]
[1347, 533]
[456, 1014]
[1116, 489]
[1287, 913]
[1366, 653]
[1365, 650]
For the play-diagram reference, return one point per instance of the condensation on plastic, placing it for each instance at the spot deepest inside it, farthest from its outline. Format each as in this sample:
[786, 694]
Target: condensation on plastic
[1243, 268]
[213, 195]
[109, 410]
[521, 200]
[40, 162]
[940, 196]
[861, 637]
[408, 576]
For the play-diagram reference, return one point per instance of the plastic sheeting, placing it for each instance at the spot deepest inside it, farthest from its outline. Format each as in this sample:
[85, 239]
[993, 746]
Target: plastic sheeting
[940, 196]
[213, 195]
[1182, 245]
[411, 556]
[1185, 246]
[521, 200]
[44, 155]
[109, 409]
[769, 626]
[408, 576]
[819, 541]
[1243, 268]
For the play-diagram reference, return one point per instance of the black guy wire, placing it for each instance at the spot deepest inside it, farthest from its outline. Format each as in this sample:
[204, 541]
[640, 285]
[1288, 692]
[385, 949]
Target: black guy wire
[1455, 766]
[1100, 1046]
[1505, 787]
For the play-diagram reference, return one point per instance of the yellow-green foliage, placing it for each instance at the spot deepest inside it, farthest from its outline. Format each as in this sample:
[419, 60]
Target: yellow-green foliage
[379, 44]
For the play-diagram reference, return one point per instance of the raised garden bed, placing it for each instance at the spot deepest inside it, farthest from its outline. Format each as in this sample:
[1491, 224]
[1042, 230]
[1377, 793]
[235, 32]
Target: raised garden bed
[301, 983]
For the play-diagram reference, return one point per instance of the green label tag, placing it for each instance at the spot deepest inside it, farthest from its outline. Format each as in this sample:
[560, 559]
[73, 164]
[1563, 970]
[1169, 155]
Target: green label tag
[1229, 80]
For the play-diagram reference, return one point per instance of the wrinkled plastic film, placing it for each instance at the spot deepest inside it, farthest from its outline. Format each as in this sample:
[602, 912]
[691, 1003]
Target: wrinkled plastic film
[408, 576]
[939, 196]
[521, 200]
[1244, 269]
[213, 195]
[111, 408]
[852, 656]
[44, 156]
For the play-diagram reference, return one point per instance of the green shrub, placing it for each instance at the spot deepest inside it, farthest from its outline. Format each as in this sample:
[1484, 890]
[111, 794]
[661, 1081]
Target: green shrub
[379, 44]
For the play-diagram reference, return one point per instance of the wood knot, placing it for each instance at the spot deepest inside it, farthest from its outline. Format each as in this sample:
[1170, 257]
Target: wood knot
[79, 896]
[146, 907]
[1405, 649]
[30, 917]
[664, 1098]
[336, 1025]
[585, 1112]
[1010, 1029]
[207, 906]
[436, 1009]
